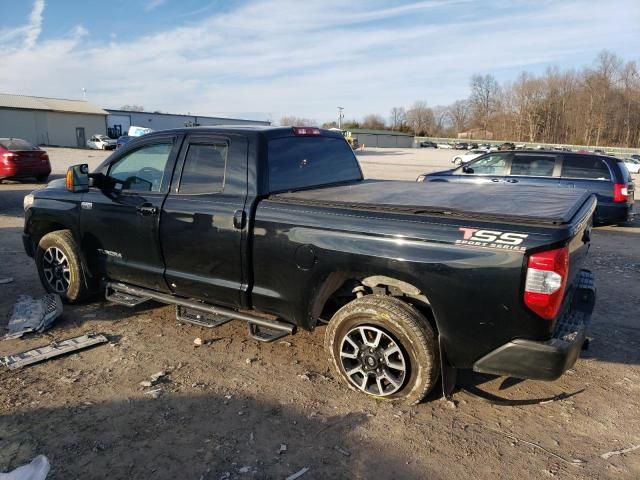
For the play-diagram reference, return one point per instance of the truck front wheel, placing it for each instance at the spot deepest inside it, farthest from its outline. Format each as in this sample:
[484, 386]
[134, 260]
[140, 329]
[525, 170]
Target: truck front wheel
[59, 266]
[383, 347]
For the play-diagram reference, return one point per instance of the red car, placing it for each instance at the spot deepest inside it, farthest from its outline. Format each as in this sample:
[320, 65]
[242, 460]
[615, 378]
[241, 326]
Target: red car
[19, 159]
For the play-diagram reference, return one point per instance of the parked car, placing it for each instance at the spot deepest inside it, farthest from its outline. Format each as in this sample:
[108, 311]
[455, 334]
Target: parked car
[447, 146]
[428, 144]
[506, 146]
[461, 146]
[635, 156]
[101, 142]
[468, 156]
[606, 177]
[20, 159]
[123, 140]
[473, 146]
[632, 165]
[299, 237]
[598, 151]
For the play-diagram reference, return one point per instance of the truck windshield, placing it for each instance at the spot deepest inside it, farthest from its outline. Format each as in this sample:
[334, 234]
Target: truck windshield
[301, 162]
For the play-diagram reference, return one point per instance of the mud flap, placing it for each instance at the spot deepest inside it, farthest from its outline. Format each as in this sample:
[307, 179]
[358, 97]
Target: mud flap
[449, 373]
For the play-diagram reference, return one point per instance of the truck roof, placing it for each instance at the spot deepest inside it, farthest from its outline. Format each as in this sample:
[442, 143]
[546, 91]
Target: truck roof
[265, 131]
[549, 205]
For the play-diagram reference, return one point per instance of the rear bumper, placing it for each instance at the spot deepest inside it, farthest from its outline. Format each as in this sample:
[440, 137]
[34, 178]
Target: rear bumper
[547, 360]
[14, 171]
[613, 213]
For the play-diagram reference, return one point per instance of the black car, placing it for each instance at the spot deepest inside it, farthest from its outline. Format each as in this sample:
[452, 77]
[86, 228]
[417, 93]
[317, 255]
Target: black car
[507, 146]
[461, 146]
[428, 144]
[607, 177]
[277, 227]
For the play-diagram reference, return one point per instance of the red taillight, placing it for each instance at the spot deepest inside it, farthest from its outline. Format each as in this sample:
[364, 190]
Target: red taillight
[546, 281]
[620, 192]
[44, 157]
[306, 131]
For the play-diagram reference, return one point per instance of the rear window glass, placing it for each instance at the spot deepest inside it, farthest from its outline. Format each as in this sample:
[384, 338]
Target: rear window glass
[585, 166]
[302, 162]
[204, 169]
[16, 144]
[533, 165]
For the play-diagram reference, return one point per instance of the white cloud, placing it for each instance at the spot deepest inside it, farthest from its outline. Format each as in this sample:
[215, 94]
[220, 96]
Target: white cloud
[34, 27]
[153, 4]
[304, 58]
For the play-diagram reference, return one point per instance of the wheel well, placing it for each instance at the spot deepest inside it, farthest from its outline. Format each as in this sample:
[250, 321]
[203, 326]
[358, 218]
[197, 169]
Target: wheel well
[42, 228]
[338, 290]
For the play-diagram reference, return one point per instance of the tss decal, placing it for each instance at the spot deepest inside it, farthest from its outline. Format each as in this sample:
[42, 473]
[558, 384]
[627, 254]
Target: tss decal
[492, 239]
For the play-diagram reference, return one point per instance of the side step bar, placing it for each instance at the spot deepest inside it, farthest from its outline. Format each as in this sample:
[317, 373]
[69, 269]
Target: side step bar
[260, 329]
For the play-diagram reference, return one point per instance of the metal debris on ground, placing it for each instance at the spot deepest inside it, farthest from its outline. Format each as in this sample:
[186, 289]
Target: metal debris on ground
[33, 315]
[298, 474]
[5, 280]
[619, 452]
[38, 469]
[155, 393]
[344, 452]
[52, 350]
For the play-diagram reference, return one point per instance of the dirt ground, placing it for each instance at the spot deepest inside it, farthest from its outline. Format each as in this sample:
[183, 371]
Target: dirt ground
[234, 408]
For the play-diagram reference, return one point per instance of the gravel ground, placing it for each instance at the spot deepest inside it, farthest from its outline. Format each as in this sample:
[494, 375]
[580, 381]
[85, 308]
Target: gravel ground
[233, 408]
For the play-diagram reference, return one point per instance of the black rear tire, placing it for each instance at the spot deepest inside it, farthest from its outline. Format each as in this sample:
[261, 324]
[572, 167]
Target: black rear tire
[403, 326]
[42, 178]
[60, 268]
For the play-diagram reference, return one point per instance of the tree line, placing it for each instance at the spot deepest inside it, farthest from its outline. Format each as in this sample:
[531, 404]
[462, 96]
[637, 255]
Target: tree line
[597, 105]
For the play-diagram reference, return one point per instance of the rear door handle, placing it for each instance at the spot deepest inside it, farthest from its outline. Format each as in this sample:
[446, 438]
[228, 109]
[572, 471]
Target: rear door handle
[495, 180]
[146, 209]
[512, 180]
[239, 219]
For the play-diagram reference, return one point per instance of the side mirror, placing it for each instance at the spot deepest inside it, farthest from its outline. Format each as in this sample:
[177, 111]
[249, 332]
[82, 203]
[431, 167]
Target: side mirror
[467, 169]
[77, 179]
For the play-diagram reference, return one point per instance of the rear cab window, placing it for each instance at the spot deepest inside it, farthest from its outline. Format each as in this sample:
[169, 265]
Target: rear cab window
[533, 165]
[300, 162]
[585, 167]
[204, 168]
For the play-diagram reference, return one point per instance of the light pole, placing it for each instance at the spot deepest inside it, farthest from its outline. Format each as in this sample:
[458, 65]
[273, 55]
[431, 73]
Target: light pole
[340, 117]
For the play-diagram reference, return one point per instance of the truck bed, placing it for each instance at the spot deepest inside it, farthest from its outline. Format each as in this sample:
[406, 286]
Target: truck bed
[524, 204]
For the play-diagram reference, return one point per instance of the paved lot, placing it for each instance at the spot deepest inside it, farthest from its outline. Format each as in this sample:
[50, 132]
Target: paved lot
[228, 406]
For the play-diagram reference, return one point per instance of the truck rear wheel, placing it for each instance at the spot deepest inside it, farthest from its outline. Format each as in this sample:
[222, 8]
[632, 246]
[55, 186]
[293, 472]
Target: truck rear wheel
[383, 347]
[59, 266]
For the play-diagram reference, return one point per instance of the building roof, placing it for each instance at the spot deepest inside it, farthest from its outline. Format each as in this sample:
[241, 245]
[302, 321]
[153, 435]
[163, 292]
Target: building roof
[113, 111]
[26, 102]
[365, 131]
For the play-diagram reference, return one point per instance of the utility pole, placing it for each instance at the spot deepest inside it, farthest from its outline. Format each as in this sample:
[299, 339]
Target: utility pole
[340, 117]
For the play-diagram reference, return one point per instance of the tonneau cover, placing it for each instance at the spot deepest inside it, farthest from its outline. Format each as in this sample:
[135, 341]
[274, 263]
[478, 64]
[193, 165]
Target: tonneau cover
[504, 202]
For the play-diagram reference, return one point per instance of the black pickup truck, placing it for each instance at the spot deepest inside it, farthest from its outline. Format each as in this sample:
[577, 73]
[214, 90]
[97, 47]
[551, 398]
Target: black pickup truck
[277, 227]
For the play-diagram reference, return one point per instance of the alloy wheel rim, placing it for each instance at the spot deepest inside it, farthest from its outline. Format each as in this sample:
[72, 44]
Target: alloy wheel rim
[373, 361]
[57, 272]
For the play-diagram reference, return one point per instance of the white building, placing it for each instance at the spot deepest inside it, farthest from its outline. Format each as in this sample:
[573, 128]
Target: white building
[50, 121]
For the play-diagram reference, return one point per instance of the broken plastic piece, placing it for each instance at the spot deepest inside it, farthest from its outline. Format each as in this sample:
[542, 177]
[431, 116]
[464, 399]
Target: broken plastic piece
[33, 315]
[38, 469]
[54, 349]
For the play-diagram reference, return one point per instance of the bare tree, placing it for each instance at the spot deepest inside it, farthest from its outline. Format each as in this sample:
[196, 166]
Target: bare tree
[398, 118]
[373, 121]
[459, 115]
[484, 98]
[291, 121]
[420, 118]
[132, 108]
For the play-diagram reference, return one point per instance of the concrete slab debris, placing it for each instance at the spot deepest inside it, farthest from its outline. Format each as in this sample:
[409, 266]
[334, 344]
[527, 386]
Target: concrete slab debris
[33, 315]
[52, 350]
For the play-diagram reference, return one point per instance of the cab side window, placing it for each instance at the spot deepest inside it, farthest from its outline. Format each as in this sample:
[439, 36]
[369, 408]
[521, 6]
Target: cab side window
[204, 168]
[143, 169]
[585, 166]
[533, 165]
[489, 165]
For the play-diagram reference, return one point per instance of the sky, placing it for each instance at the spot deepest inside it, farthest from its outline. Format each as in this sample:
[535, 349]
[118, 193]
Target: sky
[264, 59]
